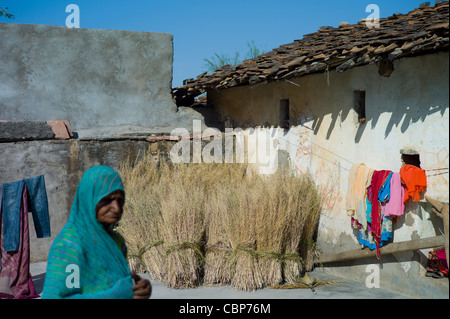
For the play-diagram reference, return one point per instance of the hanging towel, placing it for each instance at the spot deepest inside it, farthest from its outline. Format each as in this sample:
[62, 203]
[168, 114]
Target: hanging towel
[394, 206]
[359, 179]
[415, 181]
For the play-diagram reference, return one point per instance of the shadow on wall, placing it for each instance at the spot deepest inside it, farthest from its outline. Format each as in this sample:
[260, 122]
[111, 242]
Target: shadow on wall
[401, 117]
[365, 104]
[416, 90]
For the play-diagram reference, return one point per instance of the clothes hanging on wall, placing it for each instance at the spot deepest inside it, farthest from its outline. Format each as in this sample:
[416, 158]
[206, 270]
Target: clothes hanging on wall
[375, 198]
[415, 181]
[384, 193]
[16, 200]
[356, 205]
[37, 204]
[367, 238]
[394, 205]
[379, 179]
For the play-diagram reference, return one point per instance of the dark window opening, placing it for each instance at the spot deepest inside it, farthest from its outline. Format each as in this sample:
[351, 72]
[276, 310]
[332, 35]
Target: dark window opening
[284, 114]
[359, 104]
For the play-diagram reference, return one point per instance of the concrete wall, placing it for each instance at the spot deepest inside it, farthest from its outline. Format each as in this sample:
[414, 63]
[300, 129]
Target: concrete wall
[409, 108]
[63, 163]
[108, 84]
[104, 82]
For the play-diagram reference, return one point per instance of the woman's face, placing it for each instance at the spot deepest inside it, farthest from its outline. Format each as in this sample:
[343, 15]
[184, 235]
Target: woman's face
[110, 208]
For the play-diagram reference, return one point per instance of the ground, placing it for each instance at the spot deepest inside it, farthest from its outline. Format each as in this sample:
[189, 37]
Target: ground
[345, 289]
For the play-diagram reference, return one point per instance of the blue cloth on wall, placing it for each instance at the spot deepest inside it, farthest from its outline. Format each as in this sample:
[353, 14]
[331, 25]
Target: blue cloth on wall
[366, 237]
[11, 202]
[385, 191]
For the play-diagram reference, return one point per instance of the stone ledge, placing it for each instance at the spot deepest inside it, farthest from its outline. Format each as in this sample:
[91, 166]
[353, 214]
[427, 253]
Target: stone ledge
[16, 131]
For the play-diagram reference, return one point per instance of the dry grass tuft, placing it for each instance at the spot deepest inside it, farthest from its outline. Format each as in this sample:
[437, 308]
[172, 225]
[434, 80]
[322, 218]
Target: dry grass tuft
[301, 285]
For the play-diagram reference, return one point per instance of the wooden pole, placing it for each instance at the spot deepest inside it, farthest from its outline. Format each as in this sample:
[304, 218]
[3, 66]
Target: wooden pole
[411, 245]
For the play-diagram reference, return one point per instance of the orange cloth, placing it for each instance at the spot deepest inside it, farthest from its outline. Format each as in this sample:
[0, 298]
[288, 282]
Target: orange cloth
[415, 181]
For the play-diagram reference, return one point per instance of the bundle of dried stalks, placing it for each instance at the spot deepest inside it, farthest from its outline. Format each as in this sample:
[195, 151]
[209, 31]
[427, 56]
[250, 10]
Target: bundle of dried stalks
[141, 221]
[243, 199]
[218, 247]
[218, 261]
[217, 223]
[313, 200]
[271, 223]
[182, 209]
[297, 206]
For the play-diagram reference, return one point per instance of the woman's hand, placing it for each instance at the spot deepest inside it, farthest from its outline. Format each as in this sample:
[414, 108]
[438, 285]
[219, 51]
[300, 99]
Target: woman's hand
[142, 288]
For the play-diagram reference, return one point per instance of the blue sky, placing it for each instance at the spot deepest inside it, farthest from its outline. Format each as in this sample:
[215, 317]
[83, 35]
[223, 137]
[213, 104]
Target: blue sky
[204, 27]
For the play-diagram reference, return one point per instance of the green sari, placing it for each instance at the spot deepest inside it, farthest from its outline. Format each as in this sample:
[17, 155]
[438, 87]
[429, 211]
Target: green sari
[85, 260]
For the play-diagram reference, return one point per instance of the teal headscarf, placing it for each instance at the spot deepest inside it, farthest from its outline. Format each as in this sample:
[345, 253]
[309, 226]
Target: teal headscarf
[85, 260]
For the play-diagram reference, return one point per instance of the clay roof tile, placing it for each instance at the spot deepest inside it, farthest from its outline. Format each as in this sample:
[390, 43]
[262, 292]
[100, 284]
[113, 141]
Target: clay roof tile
[420, 31]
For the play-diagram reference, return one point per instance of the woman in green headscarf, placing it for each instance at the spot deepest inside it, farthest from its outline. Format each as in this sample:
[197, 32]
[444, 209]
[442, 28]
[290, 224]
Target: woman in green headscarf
[87, 258]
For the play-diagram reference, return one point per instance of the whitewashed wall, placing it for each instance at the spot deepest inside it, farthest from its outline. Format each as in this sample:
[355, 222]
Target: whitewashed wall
[408, 109]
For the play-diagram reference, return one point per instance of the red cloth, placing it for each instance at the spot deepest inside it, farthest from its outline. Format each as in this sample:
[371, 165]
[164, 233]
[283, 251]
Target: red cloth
[442, 257]
[378, 179]
[415, 181]
[437, 263]
[15, 277]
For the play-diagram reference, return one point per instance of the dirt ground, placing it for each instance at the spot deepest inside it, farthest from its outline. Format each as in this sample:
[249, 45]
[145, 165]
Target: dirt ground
[344, 289]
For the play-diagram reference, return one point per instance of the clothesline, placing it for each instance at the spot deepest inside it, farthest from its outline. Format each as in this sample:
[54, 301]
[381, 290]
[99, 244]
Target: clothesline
[428, 170]
[437, 174]
[375, 198]
[352, 163]
[337, 164]
[324, 147]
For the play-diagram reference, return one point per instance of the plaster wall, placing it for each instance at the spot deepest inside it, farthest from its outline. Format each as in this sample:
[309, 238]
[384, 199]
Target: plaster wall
[63, 163]
[104, 82]
[407, 109]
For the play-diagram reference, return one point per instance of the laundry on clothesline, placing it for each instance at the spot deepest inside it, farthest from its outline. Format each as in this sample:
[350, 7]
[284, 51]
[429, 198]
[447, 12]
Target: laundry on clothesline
[375, 198]
[415, 181]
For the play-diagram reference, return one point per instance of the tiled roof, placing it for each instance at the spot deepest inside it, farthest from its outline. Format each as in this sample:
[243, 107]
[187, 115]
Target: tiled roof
[420, 31]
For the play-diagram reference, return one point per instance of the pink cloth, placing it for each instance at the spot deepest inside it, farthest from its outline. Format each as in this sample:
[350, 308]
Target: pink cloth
[394, 206]
[442, 258]
[15, 277]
